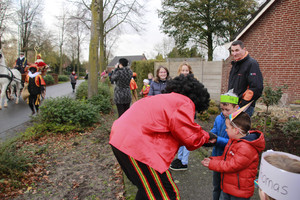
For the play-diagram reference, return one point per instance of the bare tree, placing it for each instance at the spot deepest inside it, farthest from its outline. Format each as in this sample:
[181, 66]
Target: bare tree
[63, 23]
[165, 47]
[29, 14]
[77, 33]
[107, 16]
[5, 14]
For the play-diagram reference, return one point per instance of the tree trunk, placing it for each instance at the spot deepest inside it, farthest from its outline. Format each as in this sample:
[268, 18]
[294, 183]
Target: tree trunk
[61, 60]
[102, 37]
[93, 51]
[210, 47]
[78, 62]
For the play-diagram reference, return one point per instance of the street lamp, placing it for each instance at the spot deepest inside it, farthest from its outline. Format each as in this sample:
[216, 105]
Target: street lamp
[19, 34]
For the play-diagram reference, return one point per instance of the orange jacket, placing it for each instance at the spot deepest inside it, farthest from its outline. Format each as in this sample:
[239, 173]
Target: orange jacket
[238, 164]
[153, 128]
[133, 85]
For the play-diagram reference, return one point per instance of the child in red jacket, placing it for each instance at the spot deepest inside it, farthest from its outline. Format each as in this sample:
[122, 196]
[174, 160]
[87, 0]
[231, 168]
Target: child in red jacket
[146, 88]
[239, 162]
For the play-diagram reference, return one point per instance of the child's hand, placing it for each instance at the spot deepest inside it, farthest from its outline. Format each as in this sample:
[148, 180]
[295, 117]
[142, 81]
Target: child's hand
[205, 162]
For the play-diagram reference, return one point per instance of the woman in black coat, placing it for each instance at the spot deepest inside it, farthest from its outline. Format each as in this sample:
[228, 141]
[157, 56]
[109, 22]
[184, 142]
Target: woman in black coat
[122, 94]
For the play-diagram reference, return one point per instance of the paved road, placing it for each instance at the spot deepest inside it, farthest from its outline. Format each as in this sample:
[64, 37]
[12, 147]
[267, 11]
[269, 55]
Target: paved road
[17, 116]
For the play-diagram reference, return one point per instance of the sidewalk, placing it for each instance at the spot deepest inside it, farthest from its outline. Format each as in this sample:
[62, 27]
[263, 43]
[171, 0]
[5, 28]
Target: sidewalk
[196, 182]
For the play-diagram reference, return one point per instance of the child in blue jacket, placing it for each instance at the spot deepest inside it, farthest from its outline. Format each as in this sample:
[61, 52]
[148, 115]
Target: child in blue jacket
[228, 104]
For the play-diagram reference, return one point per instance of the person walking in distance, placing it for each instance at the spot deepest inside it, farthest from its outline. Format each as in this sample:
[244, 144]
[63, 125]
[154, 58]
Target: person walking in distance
[245, 77]
[73, 80]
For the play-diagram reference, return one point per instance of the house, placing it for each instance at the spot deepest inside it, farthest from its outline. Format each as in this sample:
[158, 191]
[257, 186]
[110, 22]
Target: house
[272, 37]
[115, 60]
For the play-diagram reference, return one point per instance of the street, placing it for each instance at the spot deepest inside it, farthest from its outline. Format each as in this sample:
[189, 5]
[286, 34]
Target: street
[15, 116]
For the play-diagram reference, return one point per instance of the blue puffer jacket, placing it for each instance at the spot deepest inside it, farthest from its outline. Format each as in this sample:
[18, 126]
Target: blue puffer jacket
[157, 87]
[219, 130]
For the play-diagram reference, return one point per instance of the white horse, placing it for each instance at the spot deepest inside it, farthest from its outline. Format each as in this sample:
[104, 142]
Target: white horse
[9, 79]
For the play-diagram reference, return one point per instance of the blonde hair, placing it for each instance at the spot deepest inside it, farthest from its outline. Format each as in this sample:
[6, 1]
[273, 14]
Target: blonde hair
[185, 64]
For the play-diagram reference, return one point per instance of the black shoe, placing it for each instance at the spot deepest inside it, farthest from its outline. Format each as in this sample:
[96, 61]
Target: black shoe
[179, 167]
[175, 162]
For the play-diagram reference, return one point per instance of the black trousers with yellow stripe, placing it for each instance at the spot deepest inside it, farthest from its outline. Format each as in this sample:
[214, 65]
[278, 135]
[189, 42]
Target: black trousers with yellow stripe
[151, 184]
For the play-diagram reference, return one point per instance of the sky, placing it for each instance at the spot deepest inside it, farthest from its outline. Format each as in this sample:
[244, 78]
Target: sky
[129, 43]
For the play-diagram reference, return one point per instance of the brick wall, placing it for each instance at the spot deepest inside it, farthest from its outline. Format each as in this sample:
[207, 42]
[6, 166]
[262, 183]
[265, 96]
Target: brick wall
[274, 41]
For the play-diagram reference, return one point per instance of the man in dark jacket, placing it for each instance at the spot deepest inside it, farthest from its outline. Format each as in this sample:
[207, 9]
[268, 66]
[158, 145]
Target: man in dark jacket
[21, 63]
[245, 77]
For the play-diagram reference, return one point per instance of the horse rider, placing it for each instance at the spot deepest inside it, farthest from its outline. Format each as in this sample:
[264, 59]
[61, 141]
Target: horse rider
[21, 63]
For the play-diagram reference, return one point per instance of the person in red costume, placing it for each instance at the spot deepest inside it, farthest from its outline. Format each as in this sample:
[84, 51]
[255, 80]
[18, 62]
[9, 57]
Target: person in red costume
[146, 138]
[42, 66]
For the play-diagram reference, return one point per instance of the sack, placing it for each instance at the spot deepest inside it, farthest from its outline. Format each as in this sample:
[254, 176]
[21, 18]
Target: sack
[25, 93]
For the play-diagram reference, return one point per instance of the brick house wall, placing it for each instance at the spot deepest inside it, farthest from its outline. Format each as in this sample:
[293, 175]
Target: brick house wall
[274, 41]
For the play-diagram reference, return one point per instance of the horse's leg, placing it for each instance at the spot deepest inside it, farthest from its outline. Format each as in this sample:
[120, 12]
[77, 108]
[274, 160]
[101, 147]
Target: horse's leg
[5, 100]
[17, 92]
[3, 96]
[11, 92]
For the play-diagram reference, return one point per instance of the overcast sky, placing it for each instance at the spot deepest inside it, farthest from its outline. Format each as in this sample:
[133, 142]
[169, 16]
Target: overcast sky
[130, 43]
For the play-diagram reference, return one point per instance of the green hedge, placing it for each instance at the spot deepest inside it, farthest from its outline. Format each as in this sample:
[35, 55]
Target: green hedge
[142, 68]
[63, 78]
[65, 110]
[49, 79]
[82, 90]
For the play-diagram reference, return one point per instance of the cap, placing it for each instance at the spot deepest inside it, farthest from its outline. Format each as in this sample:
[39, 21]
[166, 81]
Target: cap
[146, 81]
[229, 97]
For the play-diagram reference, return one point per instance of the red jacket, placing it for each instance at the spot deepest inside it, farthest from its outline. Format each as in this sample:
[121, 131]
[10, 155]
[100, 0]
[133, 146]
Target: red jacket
[238, 164]
[145, 90]
[153, 128]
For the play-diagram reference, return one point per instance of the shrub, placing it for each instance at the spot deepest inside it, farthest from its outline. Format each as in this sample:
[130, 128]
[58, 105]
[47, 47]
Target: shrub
[63, 78]
[272, 96]
[43, 128]
[102, 102]
[65, 110]
[82, 90]
[49, 79]
[292, 127]
[142, 68]
[213, 110]
[204, 116]
[12, 162]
